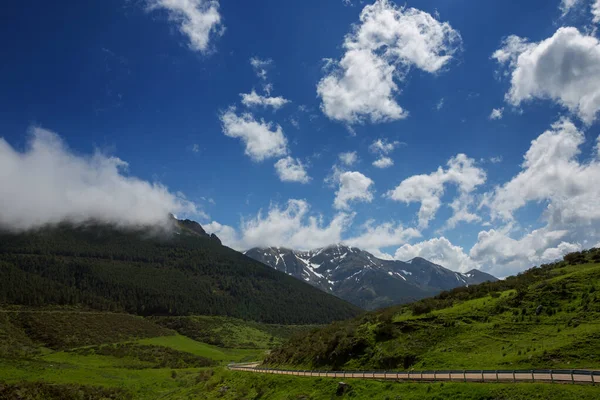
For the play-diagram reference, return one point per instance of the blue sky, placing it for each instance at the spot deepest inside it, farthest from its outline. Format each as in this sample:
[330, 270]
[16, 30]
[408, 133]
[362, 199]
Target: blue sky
[158, 84]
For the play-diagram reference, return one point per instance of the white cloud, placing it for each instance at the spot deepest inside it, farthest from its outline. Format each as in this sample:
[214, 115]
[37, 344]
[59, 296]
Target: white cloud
[495, 251]
[290, 226]
[293, 226]
[504, 256]
[428, 189]
[254, 99]
[439, 251]
[497, 113]
[291, 170]
[375, 237]
[48, 184]
[567, 5]
[353, 187]
[383, 162]
[440, 104]
[383, 146]
[261, 139]
[379, 52]
[197, 19]
[551, 172]
[564, 68]
[196, 148]
[260, 66]
[496, 160]
[596, 12]
[460, 207]
[348, 158]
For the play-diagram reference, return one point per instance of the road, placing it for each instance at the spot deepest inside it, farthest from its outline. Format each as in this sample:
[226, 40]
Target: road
[539, 376]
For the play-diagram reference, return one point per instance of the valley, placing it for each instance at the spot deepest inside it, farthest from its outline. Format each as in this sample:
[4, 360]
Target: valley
[106, 313]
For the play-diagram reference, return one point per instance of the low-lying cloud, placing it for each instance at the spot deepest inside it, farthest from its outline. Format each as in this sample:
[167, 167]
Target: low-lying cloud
[48, 183]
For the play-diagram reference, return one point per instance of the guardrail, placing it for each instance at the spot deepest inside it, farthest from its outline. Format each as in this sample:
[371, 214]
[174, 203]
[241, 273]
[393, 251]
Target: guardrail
[573, 376]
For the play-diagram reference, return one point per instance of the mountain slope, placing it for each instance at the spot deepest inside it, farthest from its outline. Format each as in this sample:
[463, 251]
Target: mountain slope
[180, 271]
[546, 317]
[363, 279]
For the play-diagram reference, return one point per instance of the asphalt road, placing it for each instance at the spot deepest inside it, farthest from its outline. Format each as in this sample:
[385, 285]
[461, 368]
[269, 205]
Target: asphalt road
[541, 376]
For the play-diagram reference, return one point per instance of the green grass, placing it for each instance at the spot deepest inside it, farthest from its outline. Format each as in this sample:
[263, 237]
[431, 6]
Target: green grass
[546, 318]
[228, 385]
[60, 330]
[232, 332]
[188, 345]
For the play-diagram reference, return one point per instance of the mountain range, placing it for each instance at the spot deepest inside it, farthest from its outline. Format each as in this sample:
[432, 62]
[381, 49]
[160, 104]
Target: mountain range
[363, 279]
[173, 270]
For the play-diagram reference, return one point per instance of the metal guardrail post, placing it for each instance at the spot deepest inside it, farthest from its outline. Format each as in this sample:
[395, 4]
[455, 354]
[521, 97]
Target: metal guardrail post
[532, 376]
[572, 378]
[465, 375]
[514, 376]
[434, 376]
[552, 376]
[497, 379]
[593, 379]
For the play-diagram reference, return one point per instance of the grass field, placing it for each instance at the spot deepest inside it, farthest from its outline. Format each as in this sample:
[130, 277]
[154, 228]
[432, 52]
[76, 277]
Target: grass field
[231, 332]
[550, 319]
[238, 385]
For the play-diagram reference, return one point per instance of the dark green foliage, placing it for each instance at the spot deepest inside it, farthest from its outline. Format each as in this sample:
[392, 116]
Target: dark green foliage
[159, 356]
[154, 273]
[62, 330]
[47, 391]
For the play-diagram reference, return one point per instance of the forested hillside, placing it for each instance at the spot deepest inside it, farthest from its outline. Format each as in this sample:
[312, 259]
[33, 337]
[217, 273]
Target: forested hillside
[181, 271]
[546, 317]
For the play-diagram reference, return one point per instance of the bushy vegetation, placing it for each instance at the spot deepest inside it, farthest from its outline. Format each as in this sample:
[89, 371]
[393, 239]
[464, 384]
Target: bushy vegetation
[231, 332]
[154, 273]
[66, 329]
[47, 391]
[546, 317]
[158, 356]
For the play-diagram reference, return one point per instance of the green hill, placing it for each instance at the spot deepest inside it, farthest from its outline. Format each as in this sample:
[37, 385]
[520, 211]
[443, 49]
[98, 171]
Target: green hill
[182, 271]
[546, 317]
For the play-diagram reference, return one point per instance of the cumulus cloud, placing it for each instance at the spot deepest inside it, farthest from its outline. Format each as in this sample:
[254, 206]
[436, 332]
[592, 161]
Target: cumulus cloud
[551, 172]
[503, 255]
[383, 162]
[199, 20]
[566, 6]
[261, 139]
[353, 187]
[261, 66]
[497, 113]
[439, 251]
[293, 226]
[383, 146]
[379, 52]
[564, 68]
[48, 184]
[254, 99]
[289, 226]
[429, 189]
[375, 237]
[348, 158]
[596, 12]
[495, 251]
[291, 170]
